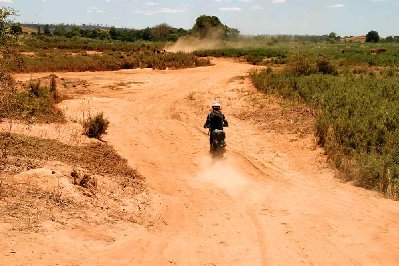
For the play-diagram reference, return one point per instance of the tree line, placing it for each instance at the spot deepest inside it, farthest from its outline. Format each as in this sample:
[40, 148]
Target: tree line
[163, 32]
[204, 27]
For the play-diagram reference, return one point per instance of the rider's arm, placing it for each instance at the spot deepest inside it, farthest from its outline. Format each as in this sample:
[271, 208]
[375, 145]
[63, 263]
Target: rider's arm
[206, 125]
[225, 122]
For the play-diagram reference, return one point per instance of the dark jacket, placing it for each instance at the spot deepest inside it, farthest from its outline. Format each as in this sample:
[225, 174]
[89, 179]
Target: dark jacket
[216, 120]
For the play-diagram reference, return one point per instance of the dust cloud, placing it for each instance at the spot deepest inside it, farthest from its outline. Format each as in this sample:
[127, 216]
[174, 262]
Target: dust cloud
[188, 44]
[224, 175]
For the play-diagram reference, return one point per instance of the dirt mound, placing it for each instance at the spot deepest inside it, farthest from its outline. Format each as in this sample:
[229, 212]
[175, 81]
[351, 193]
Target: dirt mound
[56, 193]
[36, 186]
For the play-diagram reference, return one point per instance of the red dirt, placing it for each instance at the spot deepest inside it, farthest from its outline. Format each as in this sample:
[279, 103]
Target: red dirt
[273, 199]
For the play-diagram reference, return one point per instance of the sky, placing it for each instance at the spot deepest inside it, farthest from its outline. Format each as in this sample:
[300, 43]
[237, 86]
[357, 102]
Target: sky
[252, 17]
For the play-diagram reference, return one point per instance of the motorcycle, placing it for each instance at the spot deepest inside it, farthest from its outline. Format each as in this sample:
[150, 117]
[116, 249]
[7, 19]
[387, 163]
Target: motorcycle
[218, 146]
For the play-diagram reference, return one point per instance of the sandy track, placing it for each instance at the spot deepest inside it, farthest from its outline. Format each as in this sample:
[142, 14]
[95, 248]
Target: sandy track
[271, 201]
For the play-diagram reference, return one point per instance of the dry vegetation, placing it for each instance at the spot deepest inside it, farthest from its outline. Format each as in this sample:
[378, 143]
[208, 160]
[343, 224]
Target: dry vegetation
[58, 60]
[51, 54]
[33, 101]
[95, 126]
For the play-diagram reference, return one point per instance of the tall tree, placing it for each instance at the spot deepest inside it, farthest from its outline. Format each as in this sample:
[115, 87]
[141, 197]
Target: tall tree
[211, 26]
[46, 30]
[372, 36]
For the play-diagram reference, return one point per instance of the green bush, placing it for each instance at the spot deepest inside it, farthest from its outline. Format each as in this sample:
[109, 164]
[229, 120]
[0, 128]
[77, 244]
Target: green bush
[357, 121]
[95, 127]
[326, 67]
[300, 65]
[255, 56]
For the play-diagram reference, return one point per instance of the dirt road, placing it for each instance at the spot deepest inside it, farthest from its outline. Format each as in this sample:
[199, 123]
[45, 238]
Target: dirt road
[272, 200]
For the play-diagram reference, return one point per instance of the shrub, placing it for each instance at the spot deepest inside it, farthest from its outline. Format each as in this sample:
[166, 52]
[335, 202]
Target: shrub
[34, 88]
[53, 89]
[391, 72]
[326, 67]
[95, 127]
[7, 94]
[300, 65]
[36, 103]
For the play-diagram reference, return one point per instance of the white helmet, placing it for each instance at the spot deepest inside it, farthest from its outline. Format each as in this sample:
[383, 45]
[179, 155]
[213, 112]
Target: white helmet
[216, 105]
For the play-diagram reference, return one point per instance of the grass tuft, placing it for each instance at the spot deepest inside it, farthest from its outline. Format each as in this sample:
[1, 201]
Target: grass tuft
[95, 126]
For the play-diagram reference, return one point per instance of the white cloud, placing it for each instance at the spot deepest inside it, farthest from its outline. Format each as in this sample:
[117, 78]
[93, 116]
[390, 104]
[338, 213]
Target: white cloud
[158, 11]
[230, 9]
[374, 1]
[278, 1]
[151, 4]
[171, 10]
[6, 1]
[244, 1]
[336, 6]
[257, 7]
[95, 10]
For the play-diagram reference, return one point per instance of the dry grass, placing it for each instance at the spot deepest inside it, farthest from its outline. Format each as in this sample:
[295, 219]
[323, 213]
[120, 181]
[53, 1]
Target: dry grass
[98, 158]
[33, 101]
[59, 60]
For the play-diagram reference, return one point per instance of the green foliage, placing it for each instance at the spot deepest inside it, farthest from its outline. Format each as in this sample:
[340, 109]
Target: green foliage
[357, 121]
[300, 65]
[60, 31]
[78, 44]
[338, 53]
[372, 36]
[63, 54]
[205, 24]
[46, 30]
[37, 103]
[392, 39]
[109, 60]
[256, 56]
[161, 32]
[95, 127]
[211, 27]
[16, 29]
[326, 67]
[8, 40]
[332, 35]
[6, 35]
[9, 58]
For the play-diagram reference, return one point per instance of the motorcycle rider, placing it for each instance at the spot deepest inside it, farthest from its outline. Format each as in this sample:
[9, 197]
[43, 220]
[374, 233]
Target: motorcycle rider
[215, 120]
